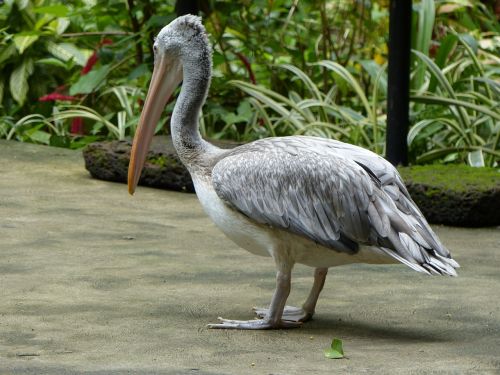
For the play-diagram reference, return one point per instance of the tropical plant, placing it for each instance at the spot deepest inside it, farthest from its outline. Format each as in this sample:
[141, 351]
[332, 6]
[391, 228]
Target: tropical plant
[461, 120]
[30, 47]
[455, 108]
[62, 60]
[311, 67]
[355, 119]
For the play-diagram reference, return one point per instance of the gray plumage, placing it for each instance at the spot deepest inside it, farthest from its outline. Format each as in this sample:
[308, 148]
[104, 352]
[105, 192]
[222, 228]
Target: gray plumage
[338, 195]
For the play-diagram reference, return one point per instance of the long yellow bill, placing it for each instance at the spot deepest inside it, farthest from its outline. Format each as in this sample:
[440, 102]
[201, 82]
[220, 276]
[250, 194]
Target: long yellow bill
[167, 74]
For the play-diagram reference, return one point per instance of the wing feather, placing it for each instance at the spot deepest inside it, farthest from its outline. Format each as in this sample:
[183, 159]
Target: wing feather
[335, 194]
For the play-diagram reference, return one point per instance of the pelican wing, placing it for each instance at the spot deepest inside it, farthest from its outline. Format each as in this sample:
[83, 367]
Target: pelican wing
[338, 195]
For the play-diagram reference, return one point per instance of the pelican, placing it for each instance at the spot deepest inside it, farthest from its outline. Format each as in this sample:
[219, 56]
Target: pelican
[296, 199]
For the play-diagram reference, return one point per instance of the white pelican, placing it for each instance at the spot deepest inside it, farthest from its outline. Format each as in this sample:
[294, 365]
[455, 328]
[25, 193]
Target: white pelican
[298, 199]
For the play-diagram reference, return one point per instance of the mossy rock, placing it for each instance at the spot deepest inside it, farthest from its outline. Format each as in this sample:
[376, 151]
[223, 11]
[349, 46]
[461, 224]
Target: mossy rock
[455, 194]
[108, 160]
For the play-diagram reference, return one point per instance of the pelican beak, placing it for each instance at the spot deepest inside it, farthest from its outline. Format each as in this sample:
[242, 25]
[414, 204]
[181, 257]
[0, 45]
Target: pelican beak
[167, 74]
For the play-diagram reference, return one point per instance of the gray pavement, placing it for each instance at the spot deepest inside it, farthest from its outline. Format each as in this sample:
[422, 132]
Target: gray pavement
[93, 281]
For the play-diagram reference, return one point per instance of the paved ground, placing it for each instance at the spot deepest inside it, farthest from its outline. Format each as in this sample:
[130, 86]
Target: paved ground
[95, 281]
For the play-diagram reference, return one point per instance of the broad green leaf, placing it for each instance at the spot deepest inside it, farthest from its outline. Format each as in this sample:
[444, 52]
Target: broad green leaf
[335, 351]
[476, 158]
[8, 51]
[23, 41]
[19, 81]
[451, 157]
[40, 136]
[89, 82]
[245, 109]
[59, 25]
[58, 10]
[62, 25]
[52, 61]
[42, 21]
[139, 71]
[233, 118]
[68, 51]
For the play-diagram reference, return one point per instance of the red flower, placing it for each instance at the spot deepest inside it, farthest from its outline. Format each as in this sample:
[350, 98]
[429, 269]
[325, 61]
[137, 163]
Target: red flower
[77, 126]
[54, 96]
[90, 63]
[94, 57]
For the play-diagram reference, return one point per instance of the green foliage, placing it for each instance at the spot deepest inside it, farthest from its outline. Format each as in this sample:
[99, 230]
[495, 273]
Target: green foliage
[24, 42]
[253, 40]
[461, 119]
[73, 53]
[280, 67]
[321, 114]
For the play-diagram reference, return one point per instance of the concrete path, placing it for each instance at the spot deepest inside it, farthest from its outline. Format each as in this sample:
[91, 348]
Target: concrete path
[94, 281]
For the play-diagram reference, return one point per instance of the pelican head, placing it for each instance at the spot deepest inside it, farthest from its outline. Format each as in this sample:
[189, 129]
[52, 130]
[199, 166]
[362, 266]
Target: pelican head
[179, 46]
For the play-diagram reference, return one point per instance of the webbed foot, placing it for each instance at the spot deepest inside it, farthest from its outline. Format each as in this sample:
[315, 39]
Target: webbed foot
[253, 324]
[290, 313]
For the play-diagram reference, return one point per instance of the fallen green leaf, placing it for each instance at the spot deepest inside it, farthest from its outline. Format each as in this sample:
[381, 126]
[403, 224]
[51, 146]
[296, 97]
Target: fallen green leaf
[335, 351]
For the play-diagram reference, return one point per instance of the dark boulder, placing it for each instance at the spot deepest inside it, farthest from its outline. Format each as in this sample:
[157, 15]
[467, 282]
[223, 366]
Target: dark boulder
[455, 194]
[109, 160]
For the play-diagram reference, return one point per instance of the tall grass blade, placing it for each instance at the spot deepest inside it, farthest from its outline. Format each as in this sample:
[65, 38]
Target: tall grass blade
[426, 15]
[429, 99]
[460, 113]
[349, 79]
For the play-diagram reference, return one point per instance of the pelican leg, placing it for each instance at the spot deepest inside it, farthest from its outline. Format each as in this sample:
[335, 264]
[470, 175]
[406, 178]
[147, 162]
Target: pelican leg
[272, 319]
[306, 312]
